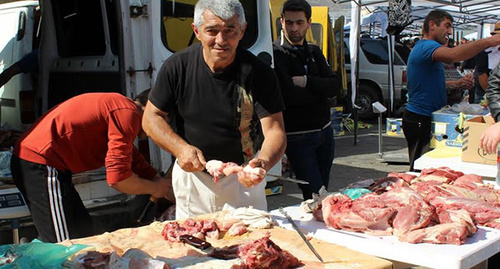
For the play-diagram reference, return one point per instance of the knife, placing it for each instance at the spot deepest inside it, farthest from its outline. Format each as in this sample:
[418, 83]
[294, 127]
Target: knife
[195, 242]
[289, 179]
[147, 211]
[296, 228]
[224, 253]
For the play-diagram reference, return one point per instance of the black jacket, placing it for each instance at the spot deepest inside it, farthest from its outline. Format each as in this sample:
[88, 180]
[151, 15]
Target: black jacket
[493, 93]
[305, 108]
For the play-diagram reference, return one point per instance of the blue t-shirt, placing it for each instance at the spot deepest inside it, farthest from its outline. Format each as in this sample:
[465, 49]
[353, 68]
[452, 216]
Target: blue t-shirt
[426, 81]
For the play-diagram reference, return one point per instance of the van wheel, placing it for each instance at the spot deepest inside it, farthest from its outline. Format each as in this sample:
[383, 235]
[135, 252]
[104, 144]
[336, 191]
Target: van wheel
[366, 97]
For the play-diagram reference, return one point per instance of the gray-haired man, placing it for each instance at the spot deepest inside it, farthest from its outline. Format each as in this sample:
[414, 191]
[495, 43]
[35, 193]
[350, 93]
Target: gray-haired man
[218, 93]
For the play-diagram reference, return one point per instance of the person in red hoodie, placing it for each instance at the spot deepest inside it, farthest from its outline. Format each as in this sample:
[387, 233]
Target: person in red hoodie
[83, 133]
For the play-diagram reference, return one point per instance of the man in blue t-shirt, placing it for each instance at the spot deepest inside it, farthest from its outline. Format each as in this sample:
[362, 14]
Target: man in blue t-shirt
[426, 80]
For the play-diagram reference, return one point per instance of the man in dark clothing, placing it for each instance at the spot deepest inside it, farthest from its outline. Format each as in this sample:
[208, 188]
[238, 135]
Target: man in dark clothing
[481, 73]
[307, 84]
[218, 93]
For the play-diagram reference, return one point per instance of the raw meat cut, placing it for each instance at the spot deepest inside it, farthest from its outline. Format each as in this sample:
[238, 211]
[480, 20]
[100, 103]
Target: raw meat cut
[442, 174]
[197, 228]
[440, 206]
[261, 253]
[237, 229]
[367, 214]
[412, 211]
[386, 184]
[446, 233]
[469, 181]
[218, 169]
[404, 176]
[458, 216]
[481, 211]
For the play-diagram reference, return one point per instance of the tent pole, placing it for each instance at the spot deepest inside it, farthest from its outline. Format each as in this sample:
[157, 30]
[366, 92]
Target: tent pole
[390, 66]
[356, 114]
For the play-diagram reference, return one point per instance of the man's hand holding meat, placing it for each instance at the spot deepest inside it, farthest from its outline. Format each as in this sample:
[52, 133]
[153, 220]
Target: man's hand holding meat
[252, 174]
[218, 94]
[191, 159]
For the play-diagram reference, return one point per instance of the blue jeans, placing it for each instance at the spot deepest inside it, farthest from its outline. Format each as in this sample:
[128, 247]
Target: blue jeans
[311, 156]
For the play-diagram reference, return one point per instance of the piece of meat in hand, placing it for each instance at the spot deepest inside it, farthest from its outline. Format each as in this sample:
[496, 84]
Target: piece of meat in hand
[251, 176]
[218, 169]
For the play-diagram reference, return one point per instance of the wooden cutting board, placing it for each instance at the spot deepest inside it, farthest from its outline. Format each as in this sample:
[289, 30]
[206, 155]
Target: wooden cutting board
[149, 239]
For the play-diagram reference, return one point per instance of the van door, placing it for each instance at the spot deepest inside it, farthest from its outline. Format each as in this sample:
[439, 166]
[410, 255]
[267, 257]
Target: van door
[339, 56]
[17, 38]
[81, 50]
[320, 31]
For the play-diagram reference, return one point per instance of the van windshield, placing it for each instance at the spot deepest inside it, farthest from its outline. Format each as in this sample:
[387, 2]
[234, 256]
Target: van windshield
[376, 52]
[177, 16]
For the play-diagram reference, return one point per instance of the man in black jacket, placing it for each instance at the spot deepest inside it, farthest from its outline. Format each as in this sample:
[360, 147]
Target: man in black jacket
[307, 84]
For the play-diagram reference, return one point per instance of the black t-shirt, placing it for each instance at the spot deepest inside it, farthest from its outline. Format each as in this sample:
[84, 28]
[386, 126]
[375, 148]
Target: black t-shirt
[205, 104]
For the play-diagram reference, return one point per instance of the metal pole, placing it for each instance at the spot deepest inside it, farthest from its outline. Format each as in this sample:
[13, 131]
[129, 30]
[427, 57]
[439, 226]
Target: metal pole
[356, 114]
[390, 50]
[380, 154]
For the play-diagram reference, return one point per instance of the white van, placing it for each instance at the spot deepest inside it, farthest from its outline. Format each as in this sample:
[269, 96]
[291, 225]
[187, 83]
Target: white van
[119, 46]
[374, 74]
[18, 37]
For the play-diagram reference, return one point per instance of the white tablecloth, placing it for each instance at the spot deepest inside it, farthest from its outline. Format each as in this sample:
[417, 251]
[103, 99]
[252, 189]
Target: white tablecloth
[484, 244]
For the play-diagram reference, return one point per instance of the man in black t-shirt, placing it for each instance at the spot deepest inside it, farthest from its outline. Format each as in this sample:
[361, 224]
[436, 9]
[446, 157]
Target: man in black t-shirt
[217, 94]
[307, 84]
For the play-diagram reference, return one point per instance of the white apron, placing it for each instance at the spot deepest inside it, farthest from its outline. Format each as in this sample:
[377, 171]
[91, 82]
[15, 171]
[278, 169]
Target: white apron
[197, 193]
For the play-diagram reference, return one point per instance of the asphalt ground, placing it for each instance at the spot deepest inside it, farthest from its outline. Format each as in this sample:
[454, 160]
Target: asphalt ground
[354, 162]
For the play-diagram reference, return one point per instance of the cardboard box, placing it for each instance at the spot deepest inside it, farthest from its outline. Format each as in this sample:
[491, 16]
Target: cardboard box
[394, 126]
[471, 152]
[447, 127]
[274, 188]
[336, 119]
